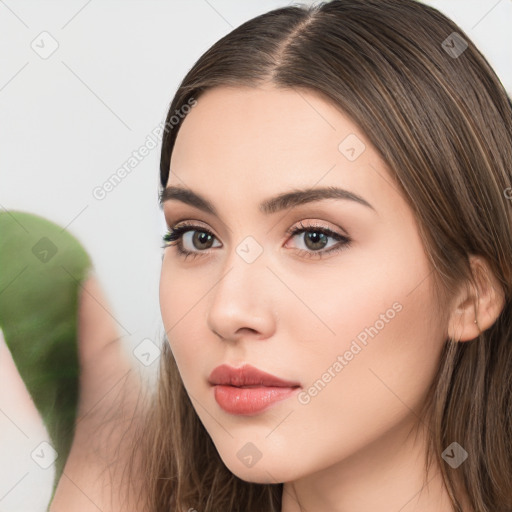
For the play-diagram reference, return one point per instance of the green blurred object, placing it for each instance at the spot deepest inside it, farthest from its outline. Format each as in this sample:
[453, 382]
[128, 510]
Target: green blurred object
[41, 269]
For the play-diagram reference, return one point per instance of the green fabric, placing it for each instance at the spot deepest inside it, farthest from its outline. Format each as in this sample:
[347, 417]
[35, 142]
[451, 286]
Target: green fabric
[41, 269]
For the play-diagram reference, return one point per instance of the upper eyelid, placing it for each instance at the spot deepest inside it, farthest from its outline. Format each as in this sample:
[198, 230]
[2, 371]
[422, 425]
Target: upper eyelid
[297, 226]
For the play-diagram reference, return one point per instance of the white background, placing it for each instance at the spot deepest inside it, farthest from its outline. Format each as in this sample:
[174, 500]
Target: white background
[68, 122]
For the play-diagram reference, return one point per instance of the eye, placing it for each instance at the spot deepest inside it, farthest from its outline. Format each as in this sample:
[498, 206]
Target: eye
[189, 239]
[193, 240]
[315, 239]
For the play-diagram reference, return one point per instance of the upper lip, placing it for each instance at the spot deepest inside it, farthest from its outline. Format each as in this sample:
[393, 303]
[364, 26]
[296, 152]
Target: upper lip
[246, 375]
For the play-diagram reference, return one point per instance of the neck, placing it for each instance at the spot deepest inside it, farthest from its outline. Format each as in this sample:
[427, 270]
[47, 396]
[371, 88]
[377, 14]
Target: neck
[389, 475]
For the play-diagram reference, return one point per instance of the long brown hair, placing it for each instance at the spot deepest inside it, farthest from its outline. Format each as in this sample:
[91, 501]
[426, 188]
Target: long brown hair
[442, 122]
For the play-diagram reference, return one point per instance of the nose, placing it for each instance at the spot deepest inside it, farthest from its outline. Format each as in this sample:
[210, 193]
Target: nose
[242, 301]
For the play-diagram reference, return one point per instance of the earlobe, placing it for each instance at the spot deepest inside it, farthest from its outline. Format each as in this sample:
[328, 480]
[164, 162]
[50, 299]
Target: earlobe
[478, 305]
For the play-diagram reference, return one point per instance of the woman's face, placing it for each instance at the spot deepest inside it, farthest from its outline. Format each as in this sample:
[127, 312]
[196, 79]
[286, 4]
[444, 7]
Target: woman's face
[351, 326]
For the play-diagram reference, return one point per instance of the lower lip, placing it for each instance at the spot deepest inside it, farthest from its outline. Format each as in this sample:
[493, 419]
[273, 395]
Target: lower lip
[247, 401]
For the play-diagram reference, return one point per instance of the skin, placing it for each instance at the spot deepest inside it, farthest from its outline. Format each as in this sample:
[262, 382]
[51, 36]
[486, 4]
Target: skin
[352, 447]
[110, 390]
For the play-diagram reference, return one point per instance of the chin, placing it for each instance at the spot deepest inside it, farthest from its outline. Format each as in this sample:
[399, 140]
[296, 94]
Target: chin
[258, 476]
[262, 472]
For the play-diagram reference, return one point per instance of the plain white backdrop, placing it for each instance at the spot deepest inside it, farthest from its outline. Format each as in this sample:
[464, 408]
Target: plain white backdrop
[82, 84]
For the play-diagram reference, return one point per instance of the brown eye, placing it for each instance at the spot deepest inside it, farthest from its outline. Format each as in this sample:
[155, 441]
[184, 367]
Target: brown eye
[315, 240]
[202, 240]
[189, 239]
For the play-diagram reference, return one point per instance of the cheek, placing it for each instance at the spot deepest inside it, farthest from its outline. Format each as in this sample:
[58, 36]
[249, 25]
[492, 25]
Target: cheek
[177, 296]
[365, 384]
[369, 352]
[182, 309]
[181, 292]
[364, 289]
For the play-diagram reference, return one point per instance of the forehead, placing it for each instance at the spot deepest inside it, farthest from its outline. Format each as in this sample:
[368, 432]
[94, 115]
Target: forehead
[261, 125]
[253, 142]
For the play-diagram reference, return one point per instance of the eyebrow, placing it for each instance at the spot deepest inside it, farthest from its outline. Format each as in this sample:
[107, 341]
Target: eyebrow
[272, 205]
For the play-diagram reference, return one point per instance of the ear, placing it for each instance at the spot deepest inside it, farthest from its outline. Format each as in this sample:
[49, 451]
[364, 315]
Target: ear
[476, 308]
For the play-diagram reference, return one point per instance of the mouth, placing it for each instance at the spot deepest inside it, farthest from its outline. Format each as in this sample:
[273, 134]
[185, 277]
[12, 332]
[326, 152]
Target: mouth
[247, 390]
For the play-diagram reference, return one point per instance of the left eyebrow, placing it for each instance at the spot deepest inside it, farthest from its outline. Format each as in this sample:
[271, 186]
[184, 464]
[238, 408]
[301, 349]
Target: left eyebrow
[269, 206]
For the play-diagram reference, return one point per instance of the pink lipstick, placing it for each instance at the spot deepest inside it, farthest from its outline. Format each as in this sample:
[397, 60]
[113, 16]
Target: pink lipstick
[247, 390]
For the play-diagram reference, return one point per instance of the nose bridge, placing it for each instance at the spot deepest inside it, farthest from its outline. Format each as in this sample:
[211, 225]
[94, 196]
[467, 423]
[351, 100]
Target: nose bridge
[240, 298]
[245, 266]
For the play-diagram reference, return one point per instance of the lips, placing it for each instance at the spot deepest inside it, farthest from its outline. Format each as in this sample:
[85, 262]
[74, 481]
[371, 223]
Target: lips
[245, 376]
[247, 390]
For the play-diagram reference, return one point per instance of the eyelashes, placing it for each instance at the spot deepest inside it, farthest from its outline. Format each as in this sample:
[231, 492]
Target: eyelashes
[174, 237]
[315, 233]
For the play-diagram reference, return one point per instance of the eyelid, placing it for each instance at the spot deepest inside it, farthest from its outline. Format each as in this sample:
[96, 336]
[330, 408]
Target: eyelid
[315, 224]
[187, 221]
[290, 231]
[319, 224]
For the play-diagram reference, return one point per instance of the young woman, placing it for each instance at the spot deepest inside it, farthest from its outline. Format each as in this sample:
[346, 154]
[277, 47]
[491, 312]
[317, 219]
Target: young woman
[337, 278]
